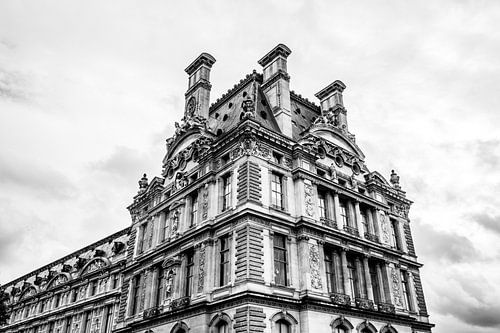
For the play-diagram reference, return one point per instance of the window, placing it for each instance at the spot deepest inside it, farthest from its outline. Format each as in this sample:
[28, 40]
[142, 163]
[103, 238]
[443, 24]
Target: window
[136, 294]
[280, 260]
[364, 220]
[160, 283]
[277, 158]
[108, 323]
[74, 295]
[222, 327]
[322, 205]
[67, 329]
[86, 323]
[93, 288]
[57, 300]
[395, 234]
[189, 273]
[226, 192]
[194, 209]
[165, 224]
[330, 271]
[277, 190]
[406, 291]
[375, 283]
[282, 326]
[225, 159]
[116, 280]
[343, 213]
[351, 271]
[51, 327]
[224, 261]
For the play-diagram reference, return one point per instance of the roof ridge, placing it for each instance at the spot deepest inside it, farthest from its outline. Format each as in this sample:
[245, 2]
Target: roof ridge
[304, 100]
[249, 77]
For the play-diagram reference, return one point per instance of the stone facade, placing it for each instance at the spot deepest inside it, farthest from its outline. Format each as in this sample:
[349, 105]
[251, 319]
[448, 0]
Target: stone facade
[265, 219]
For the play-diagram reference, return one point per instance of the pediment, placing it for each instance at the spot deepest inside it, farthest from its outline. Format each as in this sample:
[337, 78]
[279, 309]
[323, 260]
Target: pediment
[337, 138]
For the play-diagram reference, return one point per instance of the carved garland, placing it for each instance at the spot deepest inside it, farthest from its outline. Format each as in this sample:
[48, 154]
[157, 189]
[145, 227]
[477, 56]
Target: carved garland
[314, 265]
[308, 189]
[201, 279]
[395, 287]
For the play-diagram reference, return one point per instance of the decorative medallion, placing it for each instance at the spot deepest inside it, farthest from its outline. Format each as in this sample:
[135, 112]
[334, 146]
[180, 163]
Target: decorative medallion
[191, 107]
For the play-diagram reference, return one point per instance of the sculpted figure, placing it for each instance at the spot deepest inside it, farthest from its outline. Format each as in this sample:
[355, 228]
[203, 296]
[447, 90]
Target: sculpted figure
[169, 282]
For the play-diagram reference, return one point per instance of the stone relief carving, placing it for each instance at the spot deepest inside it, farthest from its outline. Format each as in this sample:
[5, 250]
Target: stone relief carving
[401, 210]
[308, 189]
[174, 219]
[395, 287]
[204, 205]
[169, 284]
[180, 181]
[201, 268]
[249, 146]
[385, 229]
[314, 263]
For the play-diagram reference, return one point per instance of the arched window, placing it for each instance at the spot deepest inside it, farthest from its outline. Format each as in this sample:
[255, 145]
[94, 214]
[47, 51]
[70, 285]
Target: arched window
[222, 327]
[282, 326]
[220, 323]
[366, 327]
[341, 325]
[340, 329]
[180, 327]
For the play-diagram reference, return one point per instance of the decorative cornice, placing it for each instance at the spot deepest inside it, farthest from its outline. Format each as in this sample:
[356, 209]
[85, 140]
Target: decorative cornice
[203, 59]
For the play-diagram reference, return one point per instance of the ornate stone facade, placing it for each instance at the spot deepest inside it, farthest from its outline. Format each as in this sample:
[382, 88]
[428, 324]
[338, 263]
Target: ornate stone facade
[265, 215]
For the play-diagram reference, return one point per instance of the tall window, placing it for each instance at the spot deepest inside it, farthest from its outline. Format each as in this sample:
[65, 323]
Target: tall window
[86, 323]
[194, 209]
[226, 192]
[280, 260]
[67, 329]
[351, 271]
[160, 283]
[395, 234]
[375, 283]
[93, 287]
[165, 225]
[340, 329]
[189, 273]
[224, 261]
[116, 280]
[282, 326]
[343, 213]
[330, 271]
[108, 323]
[136, 294]
[322, 205]
[364, 220]
[406, 291]
[222, 327]
[51, 327]
[277, 190]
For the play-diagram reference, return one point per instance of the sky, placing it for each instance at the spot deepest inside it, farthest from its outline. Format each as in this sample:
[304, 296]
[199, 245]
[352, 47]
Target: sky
[90, 90]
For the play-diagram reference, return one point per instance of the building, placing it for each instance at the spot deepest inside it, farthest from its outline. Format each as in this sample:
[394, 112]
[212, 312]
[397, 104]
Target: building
[265, 219]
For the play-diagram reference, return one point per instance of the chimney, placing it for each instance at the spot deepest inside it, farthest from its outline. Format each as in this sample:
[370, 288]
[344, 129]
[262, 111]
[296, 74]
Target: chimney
[332, 103]
[276, 86]
[198, 92]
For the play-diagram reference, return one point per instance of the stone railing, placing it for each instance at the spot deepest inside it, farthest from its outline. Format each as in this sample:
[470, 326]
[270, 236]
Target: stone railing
[340, 299]
[371, 237]
[386, 308]
[364, 303]
[328, 222]
[180, 303]
[150, 313]
[351, 230]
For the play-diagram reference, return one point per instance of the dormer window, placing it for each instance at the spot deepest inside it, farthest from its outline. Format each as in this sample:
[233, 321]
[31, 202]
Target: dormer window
[225, 159]
[277, 158]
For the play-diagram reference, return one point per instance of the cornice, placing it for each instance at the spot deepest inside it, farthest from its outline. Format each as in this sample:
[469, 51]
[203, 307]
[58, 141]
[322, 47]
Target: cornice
[305, 101]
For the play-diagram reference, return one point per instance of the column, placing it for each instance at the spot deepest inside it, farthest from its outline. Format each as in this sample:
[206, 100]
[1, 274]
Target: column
[131, 287]
[360, 278]
[359, 223]
[412, 293]
[154, 287]
[368, 280]
[345, 272]
[380, 283]
[386, 270]
[140, 236]
[369, 221]
[336, 204]
[374, 220]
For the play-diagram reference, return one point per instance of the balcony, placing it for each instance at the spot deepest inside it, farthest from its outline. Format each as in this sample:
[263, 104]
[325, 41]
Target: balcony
[180, 303]
[150, 313]
[328, 222]
[364, 304]
[351, 230]
[340, 299]
[372, 237]
[386, 308]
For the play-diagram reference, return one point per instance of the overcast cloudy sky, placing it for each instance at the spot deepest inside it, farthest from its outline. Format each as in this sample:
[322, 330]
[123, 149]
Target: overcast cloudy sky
[89, 91]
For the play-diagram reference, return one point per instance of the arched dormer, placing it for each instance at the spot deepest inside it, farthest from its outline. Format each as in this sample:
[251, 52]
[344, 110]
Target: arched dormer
[378, 178]
[341, 325]
[180, 327]
[28, 292]
[94, 265]
[336, 137]
[388, 329]
[283, 322]
[366, 327]
[220, 323]
[57, 280]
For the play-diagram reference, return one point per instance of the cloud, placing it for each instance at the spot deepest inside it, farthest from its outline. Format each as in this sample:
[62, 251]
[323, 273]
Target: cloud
[489, 222]
[31, 178]
[14, 86]
[444, 246]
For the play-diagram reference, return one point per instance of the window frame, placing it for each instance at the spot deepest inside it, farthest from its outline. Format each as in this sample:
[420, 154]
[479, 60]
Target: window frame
[285, 262]
[224, 274]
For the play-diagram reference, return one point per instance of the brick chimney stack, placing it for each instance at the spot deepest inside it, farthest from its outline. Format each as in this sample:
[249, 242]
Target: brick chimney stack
[198, 92]
[276, 86]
